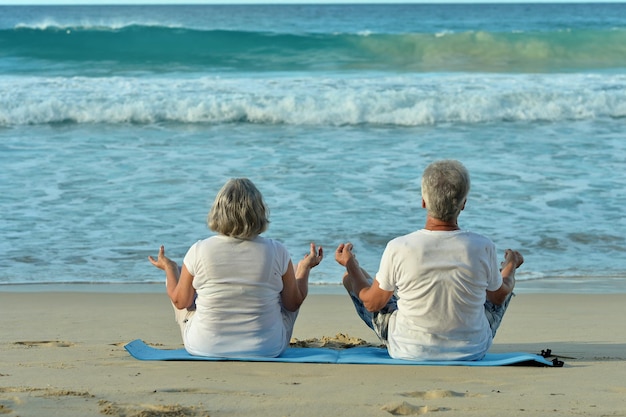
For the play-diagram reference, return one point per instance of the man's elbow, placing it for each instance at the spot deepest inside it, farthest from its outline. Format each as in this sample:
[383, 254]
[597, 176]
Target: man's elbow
[294, 306]
[376, 300]
[498, 297]
[372, 306]
[497, 300]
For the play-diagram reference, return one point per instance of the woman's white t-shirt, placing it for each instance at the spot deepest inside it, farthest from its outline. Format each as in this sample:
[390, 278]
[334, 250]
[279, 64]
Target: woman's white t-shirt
[440, 279]
[238, 309]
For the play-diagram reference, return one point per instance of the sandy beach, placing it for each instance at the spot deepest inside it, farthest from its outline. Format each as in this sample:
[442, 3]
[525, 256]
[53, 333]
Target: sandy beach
[63, 355]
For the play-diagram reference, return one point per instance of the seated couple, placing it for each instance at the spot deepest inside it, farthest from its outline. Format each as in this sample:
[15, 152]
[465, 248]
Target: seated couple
[439, 293]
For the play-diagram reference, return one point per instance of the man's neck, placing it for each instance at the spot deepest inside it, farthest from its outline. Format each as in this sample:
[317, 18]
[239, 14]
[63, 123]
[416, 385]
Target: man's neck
[437, 225]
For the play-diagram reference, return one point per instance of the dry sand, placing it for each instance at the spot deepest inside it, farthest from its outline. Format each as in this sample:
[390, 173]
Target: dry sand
[62, 355]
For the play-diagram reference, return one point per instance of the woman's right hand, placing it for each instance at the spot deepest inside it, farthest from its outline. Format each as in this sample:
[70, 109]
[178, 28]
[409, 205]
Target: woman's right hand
[311, 259]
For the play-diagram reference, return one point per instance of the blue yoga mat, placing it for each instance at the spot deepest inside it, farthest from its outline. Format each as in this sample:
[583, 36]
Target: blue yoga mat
[357, 355]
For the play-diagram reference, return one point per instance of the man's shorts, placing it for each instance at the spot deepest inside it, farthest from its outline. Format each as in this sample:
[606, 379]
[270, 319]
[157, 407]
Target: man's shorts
[379, 321]
[495, 313]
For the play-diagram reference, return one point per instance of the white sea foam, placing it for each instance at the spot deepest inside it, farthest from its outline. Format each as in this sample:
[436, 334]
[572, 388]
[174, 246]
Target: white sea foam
[92, 24]
[399, 101]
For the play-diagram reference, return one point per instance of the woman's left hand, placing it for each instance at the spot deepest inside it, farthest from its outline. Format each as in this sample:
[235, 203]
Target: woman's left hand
[162, 261]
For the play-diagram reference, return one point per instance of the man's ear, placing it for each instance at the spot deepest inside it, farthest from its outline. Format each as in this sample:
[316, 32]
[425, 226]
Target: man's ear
[463, 206]
[424, 203]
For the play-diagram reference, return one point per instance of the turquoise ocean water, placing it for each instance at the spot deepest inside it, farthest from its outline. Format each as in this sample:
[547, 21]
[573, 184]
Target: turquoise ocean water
[118, 125]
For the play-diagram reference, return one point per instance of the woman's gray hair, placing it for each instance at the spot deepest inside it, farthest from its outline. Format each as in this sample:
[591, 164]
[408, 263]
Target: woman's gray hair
[445, 186]
[239, 210]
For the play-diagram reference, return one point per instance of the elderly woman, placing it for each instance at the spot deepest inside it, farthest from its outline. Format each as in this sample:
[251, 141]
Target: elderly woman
[237, 293]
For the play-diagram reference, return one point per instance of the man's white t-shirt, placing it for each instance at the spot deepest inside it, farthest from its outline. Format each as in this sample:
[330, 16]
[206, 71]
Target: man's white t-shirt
[440, 279]
[238, 310]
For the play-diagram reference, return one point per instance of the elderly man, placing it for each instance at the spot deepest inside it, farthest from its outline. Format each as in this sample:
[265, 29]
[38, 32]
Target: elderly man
[438, 293]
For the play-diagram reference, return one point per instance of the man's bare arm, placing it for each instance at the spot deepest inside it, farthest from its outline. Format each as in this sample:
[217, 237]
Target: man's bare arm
[512, 260]
[358, 281]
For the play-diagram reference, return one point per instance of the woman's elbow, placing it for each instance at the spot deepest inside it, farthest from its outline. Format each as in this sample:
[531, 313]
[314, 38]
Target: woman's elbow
[181, 302]
[293, 305]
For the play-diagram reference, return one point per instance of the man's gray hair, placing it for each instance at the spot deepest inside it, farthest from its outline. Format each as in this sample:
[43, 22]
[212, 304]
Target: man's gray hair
[445, 186]
[239, 210]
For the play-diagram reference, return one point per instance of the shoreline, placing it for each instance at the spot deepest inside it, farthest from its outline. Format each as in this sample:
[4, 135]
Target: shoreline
[578, 285]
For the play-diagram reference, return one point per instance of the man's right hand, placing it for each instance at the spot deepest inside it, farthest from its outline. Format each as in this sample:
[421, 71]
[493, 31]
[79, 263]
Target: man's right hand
[344, 254]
